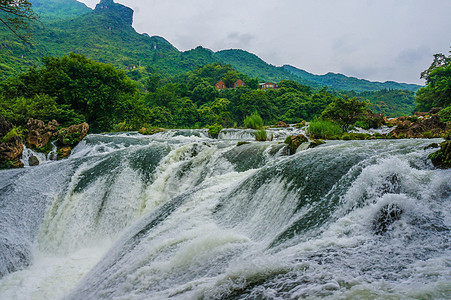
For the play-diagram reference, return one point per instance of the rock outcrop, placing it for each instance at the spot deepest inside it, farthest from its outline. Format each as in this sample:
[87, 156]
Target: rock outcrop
[422, 128]
[442, 157]
[11, 146]
[293, 142]
[39, 135]
[281, 124]
[69, 137]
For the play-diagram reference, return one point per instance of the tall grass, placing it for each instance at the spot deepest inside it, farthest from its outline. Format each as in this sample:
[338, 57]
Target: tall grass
[253, 121]
[320, 129]
[261, 135]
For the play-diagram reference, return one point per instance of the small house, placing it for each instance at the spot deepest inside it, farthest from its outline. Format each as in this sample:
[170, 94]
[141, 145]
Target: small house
[239, 83]
[268, 85]
[220, 85]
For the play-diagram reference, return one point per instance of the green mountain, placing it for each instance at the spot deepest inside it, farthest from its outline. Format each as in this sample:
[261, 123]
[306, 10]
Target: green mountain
[106, 34]
[50, 10]
[345, 83]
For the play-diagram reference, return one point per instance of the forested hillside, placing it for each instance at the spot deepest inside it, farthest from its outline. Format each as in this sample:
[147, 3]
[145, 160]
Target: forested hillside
[106, 35]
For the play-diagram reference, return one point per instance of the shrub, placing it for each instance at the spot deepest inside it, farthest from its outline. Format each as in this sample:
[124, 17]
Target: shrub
[11, 134]
[321, 129]
[253, 121]
[214, 130]
[261, 135]
[428, 135]
[362, 124]
[445, 114]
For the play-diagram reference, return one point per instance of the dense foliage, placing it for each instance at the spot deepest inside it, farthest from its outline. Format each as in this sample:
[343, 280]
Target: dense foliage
[392, 103]
[72, 88]
[437, 92]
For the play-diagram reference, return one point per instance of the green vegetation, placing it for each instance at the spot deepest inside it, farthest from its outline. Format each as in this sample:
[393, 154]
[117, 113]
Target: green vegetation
[261, 135]
[71, 89]
[392, 103]
[253, 121]
[445, 114]
[437, 92]
[345, 111]
[11, 134]
[214, 130]
[323, 129]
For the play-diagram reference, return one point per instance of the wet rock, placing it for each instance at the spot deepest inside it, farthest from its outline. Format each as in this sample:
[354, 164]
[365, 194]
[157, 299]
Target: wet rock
[316, 143]
[385, 217]
[73, 134]
[427, 127]
[241, 143]
[442, 157]
[64, 152]
[33, 161]
[10, 153]
[391, 185]
[38, 134]
[435, 110]
[281, 124]
[433, 145]
[5, 127]
[293, 142]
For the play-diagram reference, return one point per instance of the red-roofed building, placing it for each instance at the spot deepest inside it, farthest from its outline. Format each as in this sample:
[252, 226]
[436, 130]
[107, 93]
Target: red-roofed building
[239, 83]
[220, 85]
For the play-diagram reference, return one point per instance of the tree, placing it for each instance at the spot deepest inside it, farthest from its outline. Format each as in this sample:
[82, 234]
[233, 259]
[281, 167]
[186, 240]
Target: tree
[98, 91]
[437, 92]
[345, 111]
[15, 15]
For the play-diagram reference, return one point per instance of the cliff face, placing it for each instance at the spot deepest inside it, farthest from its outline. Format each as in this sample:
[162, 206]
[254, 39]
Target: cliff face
[109, 7]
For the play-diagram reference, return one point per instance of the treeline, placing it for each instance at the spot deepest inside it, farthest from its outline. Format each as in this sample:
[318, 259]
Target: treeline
[74, 88]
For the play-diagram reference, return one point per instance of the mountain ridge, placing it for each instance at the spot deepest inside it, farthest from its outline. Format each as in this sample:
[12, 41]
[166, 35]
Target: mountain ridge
[106, 34]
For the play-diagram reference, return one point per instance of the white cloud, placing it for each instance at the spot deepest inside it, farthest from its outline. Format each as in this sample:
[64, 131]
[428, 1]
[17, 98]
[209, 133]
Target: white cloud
[376, 40]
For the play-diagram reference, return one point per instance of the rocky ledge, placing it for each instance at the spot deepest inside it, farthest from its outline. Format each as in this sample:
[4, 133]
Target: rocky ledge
[37, 136]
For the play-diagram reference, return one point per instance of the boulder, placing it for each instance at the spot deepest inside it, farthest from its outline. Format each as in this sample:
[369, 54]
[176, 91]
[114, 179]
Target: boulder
[64, 152]
[5, 127]
[10, 153]
[39, 135]
[281, 124]
[73, 134]
[385, 217]
[442, 157]
[293, 142]
[316, 143]
[33, 161]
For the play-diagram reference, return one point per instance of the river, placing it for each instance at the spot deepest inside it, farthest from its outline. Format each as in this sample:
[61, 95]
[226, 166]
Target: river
[182, 216]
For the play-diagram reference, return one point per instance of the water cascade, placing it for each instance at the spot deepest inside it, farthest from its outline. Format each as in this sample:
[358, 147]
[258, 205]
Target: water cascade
[180, 215]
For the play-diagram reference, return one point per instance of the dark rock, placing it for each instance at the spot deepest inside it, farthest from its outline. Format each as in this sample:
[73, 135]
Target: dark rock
[241, 143]
[442, 157]
[316, 143]
[433, 145]
[294, 141]
[5, 127]
[435, 110]
[385, 217]
[33, 161]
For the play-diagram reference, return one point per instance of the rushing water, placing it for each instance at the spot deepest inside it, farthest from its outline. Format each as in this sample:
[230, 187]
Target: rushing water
[179, 215]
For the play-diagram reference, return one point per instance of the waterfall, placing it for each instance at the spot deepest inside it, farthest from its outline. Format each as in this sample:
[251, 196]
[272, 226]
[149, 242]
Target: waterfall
[180, 215]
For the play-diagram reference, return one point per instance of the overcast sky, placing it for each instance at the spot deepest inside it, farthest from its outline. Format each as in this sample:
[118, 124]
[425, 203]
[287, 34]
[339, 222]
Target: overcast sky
[378, 40]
